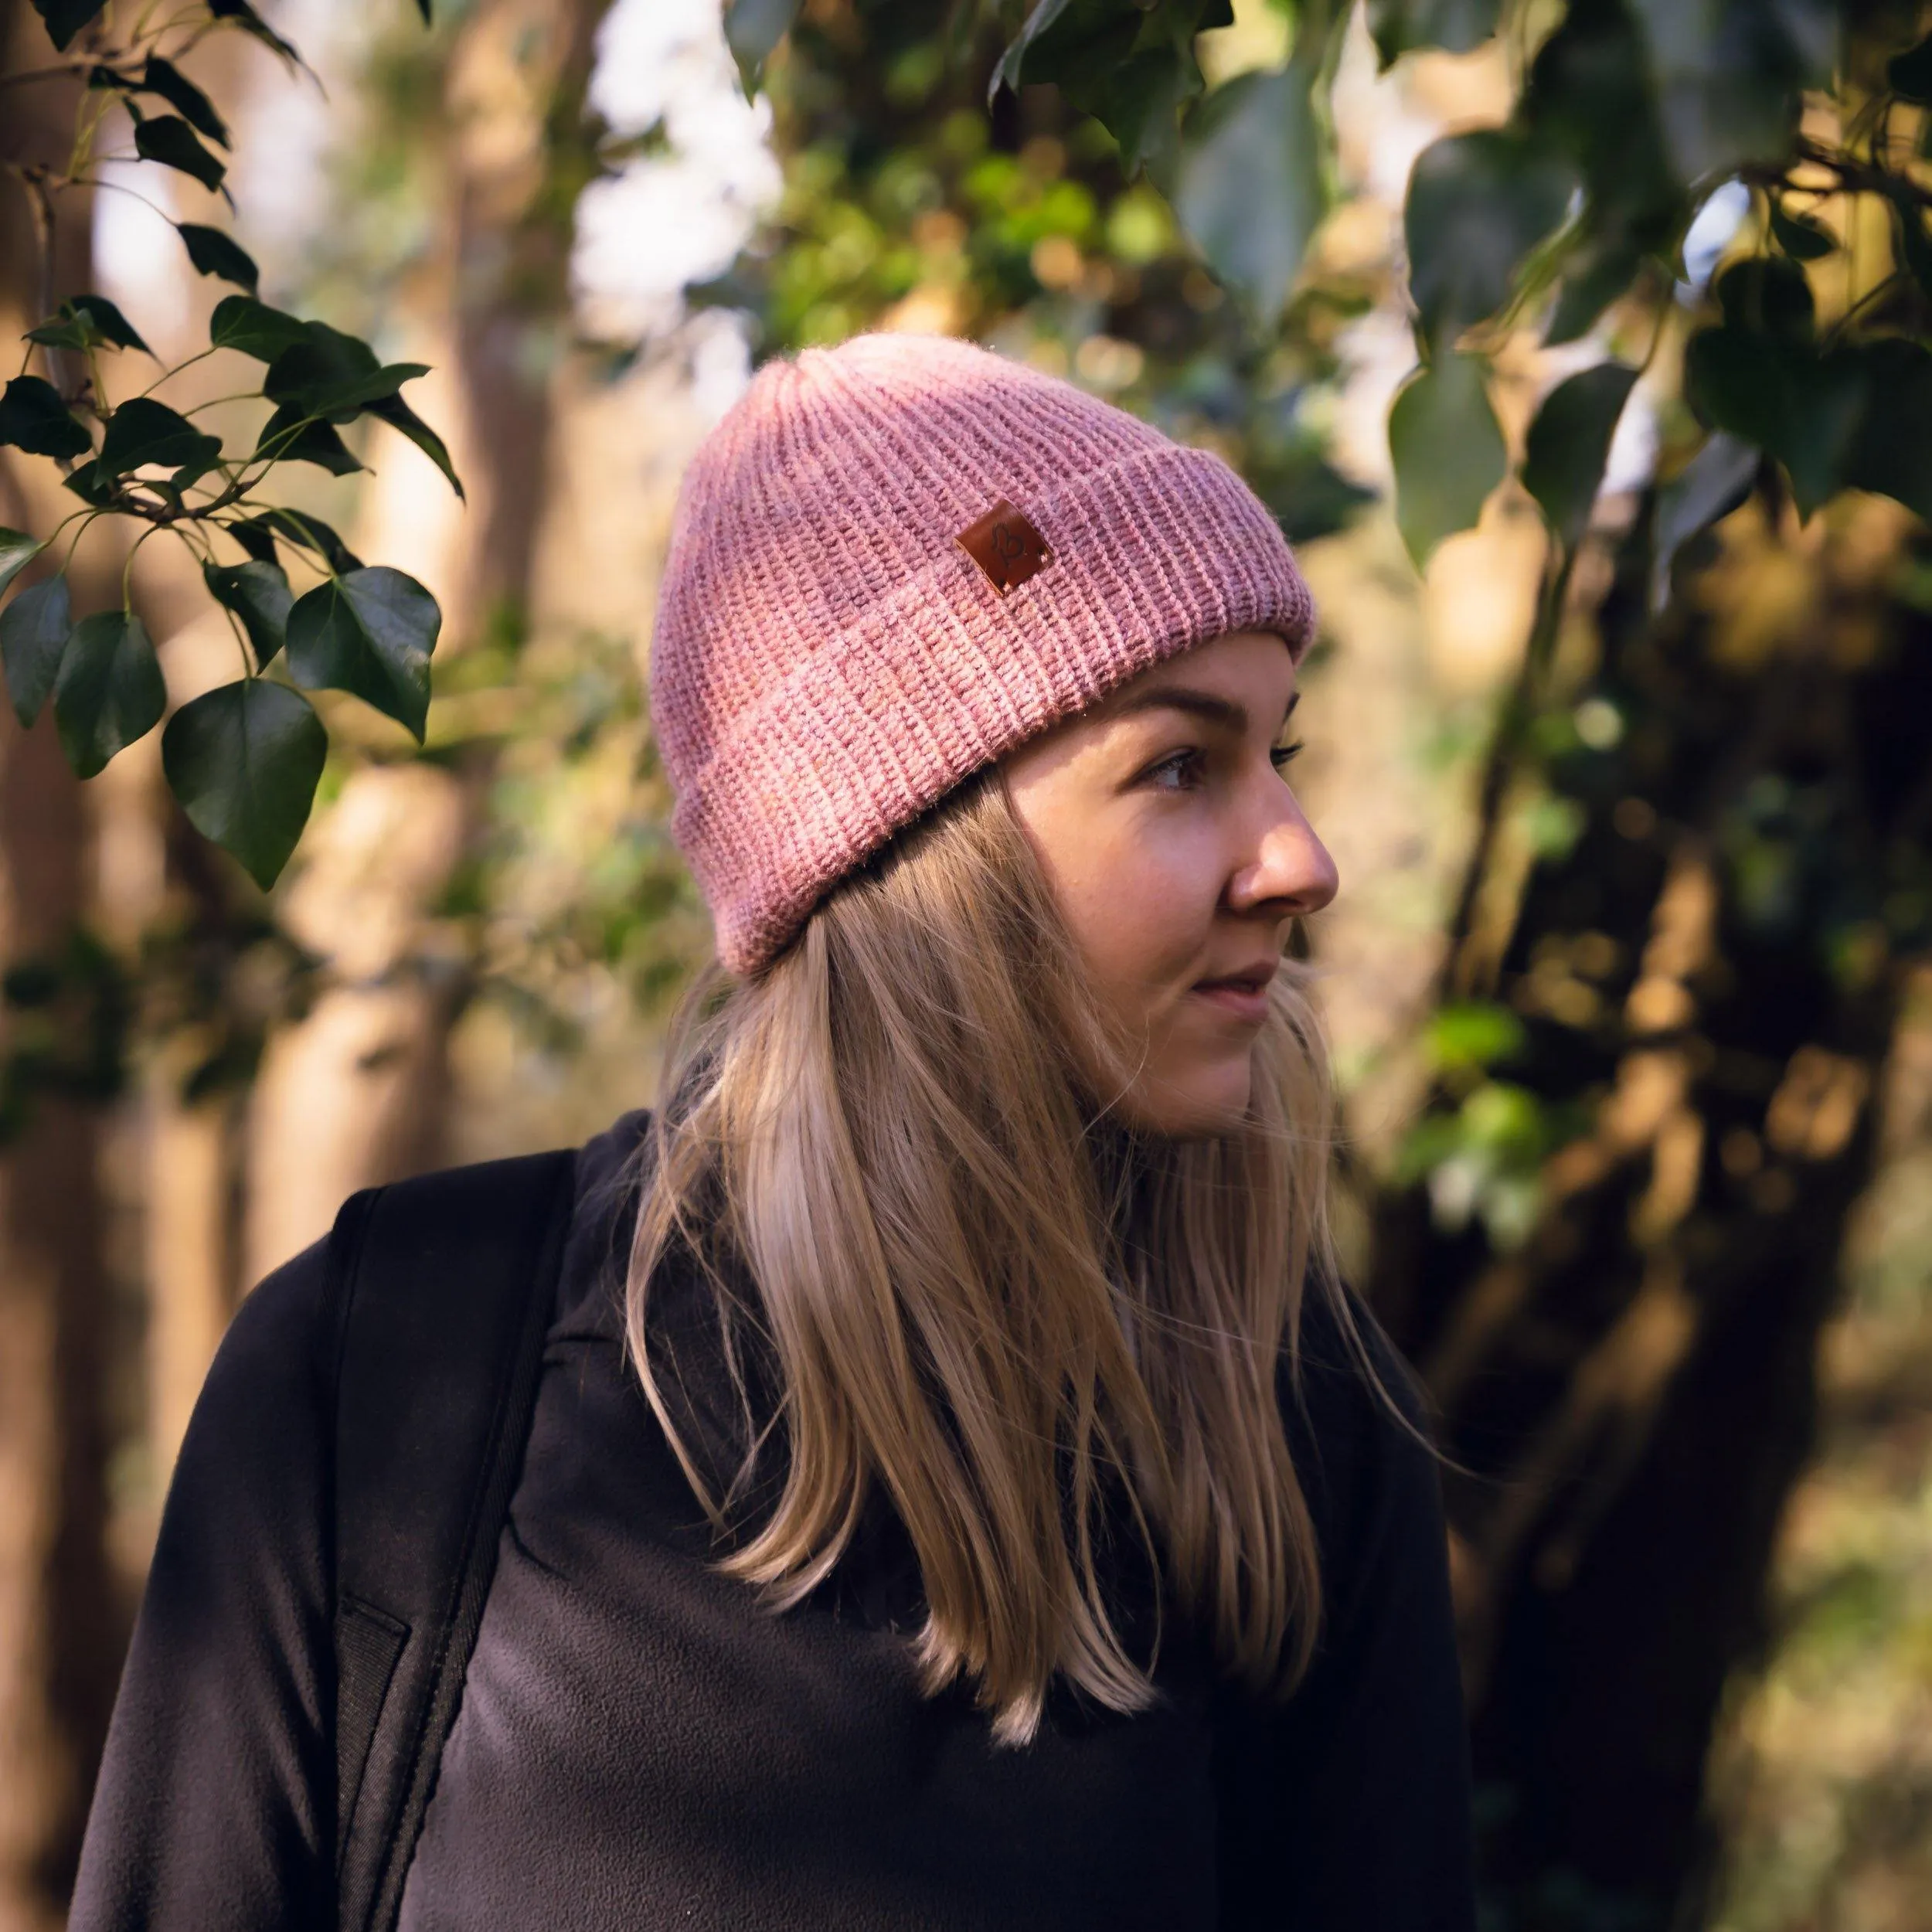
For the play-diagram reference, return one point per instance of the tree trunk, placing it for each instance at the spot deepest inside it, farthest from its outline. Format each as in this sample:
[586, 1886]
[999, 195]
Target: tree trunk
[1632, 1385]
[357, 1094]
[60, 1634]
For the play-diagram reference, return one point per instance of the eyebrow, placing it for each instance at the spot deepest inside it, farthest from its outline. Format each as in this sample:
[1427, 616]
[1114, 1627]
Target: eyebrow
[1213, 709]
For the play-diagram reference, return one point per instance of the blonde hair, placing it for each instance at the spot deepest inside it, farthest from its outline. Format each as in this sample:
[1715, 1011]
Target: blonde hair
[981, 1292]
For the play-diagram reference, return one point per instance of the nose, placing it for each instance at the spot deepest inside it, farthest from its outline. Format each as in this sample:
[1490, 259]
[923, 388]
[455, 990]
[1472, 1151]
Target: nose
[1288, 873]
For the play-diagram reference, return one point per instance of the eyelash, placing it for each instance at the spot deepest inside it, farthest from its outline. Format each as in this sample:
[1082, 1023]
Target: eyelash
[1280, 757]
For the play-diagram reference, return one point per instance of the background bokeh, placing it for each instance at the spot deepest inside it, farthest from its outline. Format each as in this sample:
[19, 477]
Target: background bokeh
[1677, 1304]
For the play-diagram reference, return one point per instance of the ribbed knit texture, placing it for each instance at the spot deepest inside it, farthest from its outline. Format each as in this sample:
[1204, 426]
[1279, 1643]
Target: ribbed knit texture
[828, 660]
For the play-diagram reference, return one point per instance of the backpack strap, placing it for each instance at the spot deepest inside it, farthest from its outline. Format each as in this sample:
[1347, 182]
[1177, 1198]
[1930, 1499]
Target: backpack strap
[443, 1288]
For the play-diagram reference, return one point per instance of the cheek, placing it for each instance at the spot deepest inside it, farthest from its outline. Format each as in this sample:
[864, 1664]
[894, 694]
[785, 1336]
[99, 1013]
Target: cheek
[1141, 906]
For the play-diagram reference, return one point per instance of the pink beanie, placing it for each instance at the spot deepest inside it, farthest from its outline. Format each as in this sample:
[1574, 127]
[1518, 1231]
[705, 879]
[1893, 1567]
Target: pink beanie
[892, 562]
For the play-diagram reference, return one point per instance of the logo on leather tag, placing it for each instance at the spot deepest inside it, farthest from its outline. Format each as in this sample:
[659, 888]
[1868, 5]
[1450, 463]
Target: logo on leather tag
[1006, 545]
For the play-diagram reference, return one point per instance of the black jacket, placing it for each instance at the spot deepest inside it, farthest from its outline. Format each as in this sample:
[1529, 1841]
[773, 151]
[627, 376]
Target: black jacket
[640, 1745]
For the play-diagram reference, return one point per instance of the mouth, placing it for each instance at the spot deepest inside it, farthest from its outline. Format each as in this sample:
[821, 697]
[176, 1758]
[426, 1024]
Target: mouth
[1243, 996]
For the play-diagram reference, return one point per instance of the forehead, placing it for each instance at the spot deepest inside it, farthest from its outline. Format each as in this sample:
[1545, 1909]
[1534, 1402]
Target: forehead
[1255, 669]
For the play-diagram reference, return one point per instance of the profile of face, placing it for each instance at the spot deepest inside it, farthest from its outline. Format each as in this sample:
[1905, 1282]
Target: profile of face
[1177, 855]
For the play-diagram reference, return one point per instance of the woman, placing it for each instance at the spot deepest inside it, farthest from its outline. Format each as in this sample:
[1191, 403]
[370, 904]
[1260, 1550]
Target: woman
[959, 1492]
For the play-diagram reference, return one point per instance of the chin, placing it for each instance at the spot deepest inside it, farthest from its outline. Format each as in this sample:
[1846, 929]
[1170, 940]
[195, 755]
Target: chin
[1203, 1104]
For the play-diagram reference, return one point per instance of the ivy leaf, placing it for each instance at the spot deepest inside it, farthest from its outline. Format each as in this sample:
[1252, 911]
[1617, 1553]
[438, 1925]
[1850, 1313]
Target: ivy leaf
[1476, 204]
[329, 374]
[143, 431]
[1711, 485]
[1251, 191]
[1767, 294]
[257, 592]
[17, 551]
[83, 322]
[164, 78]
[369, 631]
[1448, 452]
[241, 323]
[87, 483]
[213, 253]
[292, 526]
[1568, 445]
[1799, 236]
[168, 139]
[752, 29]
[1804, 409]
[291, 435]
[250, 22]
[1890, 452]
[1910, 73]
[1007, 74]
[33, 634]
[109, 690]
[1456, 26]
[396, 412]
[243, 760]
[33, 418]
[65, 18]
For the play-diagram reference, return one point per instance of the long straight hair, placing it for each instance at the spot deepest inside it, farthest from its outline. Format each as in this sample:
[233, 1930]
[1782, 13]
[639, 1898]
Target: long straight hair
[981, 1290]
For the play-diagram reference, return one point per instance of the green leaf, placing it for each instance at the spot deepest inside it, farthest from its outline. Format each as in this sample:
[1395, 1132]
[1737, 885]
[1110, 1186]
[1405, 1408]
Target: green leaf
[1910, 73]
[1568, 445]
[370, 632]
[332, 375]
[1007, 73]
[81, 321]
[17, 551]
[168, 139]
[241, 323]
[244, 760]
[65, 18]
[1711, 485]
[1804, 409]
[1457, 26]
[251, 23]
[752, 29]
[1598, 272]
[292, 436]
[33, 418]
[1728, 75]
[164, 78]
[33, 633]
[87, 483]
[1251, 191]
[213, 253]
[396, 412]
[257, 592]
[143, 431]
[1891, 453]
[109, 691]
[1478, 203]
[1800, 237]
[292, 526]
[1769, 295]
[1448, 451]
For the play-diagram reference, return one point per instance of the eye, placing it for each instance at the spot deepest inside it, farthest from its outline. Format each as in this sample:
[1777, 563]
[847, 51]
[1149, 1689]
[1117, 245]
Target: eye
[1177, 772]
[1282, 755]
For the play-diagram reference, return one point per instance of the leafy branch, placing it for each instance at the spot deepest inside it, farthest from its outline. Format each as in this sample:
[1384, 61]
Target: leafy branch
[243, 760]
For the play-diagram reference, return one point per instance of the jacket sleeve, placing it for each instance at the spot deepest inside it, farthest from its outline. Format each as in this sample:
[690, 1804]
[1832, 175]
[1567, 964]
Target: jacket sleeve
[215, 1806]
[1347, 1809]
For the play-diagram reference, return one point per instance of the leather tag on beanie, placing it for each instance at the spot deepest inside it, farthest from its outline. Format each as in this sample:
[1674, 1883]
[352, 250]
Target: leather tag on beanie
[1005, 544]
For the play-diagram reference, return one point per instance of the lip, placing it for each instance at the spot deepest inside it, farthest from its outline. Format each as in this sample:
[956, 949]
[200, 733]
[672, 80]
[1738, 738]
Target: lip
[1244, 995]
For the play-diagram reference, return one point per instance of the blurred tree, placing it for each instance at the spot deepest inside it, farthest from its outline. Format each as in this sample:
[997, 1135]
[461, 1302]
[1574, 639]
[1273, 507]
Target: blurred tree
[1671, 976]
[59, 1634]
[487, 121]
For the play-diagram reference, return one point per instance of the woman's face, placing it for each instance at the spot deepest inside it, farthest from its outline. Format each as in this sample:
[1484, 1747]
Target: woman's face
[1179, 855]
